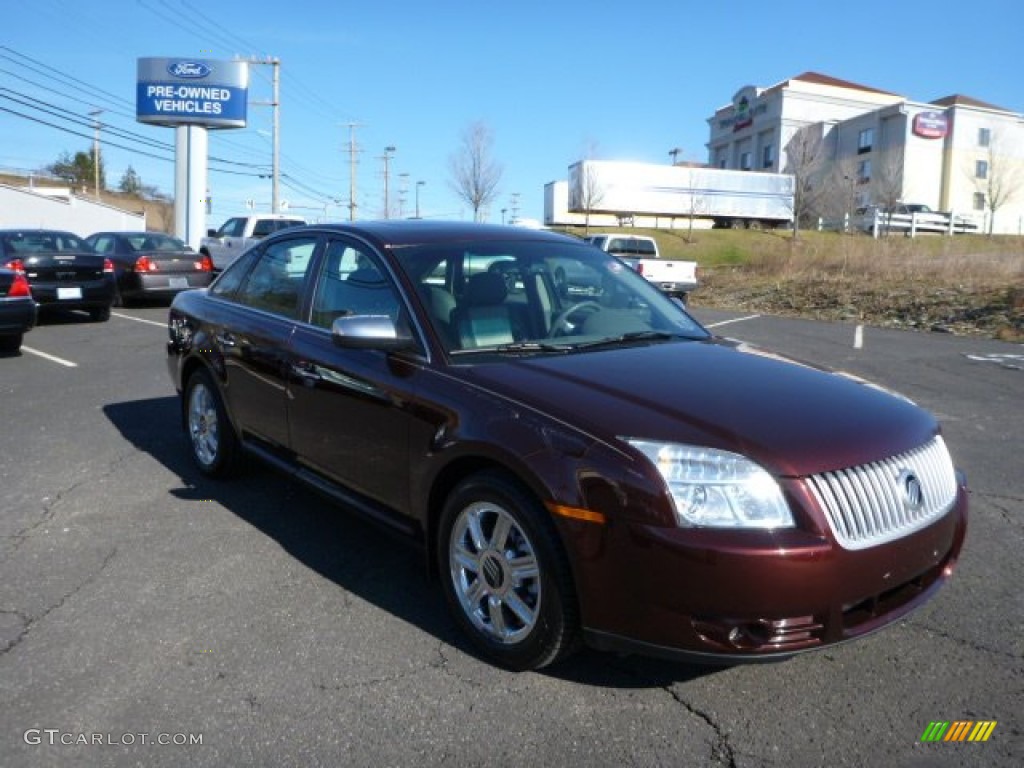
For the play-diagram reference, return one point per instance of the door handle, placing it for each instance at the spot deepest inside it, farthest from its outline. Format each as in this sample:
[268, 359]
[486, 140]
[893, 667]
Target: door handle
[227, 339]
[305, 372]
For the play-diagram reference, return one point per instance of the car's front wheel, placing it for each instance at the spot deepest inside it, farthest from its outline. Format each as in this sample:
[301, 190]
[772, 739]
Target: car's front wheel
[505, 575]
[210, 434]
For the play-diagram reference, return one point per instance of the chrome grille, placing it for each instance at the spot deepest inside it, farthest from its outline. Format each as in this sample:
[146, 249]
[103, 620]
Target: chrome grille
[885, 500]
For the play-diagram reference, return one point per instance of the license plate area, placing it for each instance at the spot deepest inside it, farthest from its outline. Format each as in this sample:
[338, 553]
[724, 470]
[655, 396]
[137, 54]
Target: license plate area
[178, 283]
[74, 292]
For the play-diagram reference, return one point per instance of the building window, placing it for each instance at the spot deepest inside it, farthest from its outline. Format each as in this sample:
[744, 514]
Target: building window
[984, 137]
[981, 169]
[863, 171]
[766, 157]
[979, 201]
[745, 161]
[865, 140]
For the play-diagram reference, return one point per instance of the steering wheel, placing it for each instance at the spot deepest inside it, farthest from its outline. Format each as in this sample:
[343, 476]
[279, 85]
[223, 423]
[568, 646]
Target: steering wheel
[560, 325]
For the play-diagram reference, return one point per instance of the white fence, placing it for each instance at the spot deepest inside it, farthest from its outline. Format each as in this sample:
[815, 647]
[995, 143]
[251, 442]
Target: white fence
[876, 223]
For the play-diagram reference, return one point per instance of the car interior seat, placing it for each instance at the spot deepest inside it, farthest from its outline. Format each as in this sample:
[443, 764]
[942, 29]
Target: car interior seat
[482, 318]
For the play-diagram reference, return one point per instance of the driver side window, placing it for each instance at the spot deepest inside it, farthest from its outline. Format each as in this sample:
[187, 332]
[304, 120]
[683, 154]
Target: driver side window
[352, 282]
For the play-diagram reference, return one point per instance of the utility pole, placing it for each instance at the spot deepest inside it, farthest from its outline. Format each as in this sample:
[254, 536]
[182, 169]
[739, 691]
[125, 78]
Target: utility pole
[352, 150]
[418, 185]
[388, 151]
[275, 102]
[674, 153]
[95, 114]
[403, 190]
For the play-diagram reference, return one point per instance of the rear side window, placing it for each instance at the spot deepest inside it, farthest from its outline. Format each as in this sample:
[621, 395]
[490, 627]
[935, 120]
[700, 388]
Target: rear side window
[277, 281]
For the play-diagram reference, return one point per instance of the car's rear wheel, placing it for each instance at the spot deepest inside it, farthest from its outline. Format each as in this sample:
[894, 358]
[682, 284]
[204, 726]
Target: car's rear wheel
[210, 434]
[11, 342]
[505, 575]
[99, 314]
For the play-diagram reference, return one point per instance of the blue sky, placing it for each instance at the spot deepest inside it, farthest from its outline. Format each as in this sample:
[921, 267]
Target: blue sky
[554, 81]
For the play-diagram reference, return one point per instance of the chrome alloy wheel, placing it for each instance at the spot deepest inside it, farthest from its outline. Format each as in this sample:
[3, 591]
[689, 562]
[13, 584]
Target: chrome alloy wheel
[495, 573]
[203, 426]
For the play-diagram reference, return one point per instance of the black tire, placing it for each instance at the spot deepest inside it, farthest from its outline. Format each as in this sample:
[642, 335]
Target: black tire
[513, 597]
[99, 314]
[212, 440]
[11, 342]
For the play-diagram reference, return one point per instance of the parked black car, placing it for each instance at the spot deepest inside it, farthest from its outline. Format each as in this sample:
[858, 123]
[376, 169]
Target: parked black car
[17, 309]
[581, 465]
[61, 268]
[151, 264]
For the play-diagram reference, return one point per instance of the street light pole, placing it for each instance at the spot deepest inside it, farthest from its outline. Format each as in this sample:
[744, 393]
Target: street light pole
[674, 154]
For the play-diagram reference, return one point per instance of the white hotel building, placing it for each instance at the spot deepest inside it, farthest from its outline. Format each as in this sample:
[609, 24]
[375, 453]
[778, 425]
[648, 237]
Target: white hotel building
[953, 154]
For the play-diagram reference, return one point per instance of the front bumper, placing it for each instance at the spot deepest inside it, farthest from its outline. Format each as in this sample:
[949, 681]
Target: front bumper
[741, 596]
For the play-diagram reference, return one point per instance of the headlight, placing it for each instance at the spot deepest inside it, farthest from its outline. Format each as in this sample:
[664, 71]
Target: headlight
[717, 489]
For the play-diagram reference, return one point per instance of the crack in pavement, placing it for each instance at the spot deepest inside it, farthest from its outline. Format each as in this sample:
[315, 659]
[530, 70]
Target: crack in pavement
[974, 646]
[28, 622]
[50, 505]
[722, 751]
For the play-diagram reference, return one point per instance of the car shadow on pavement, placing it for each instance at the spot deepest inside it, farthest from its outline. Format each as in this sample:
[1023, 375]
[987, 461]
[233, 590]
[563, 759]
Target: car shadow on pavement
[358, 556]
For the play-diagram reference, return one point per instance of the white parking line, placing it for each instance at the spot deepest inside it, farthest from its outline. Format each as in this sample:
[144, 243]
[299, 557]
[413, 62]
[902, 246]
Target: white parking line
[734, 320]
[51, 358]
[138, 319]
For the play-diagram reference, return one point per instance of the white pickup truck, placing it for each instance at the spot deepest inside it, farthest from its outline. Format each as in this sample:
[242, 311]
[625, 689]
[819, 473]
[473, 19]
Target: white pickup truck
[239, 233]
[674, 277]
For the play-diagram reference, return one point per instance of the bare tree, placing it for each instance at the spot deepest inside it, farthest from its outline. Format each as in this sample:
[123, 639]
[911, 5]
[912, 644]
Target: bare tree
[591, 191]
[804, 160]
[474, 172]
[840, 194]
[698, 203]
[1002, 180]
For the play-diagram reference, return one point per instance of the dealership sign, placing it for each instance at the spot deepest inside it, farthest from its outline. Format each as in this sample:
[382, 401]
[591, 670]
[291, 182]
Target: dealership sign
[182, 91]
[931, 125]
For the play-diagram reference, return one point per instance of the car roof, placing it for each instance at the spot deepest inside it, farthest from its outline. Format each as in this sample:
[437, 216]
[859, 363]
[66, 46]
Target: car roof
[407, 232]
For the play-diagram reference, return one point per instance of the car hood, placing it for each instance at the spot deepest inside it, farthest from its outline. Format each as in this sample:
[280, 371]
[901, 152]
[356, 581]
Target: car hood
[792, 418]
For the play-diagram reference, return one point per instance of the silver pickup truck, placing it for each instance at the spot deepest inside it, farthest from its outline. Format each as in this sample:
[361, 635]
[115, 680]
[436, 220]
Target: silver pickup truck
[239, 233]
[674, 277]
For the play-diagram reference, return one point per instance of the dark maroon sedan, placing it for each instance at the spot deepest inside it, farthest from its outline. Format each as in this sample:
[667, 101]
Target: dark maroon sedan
[580, 461]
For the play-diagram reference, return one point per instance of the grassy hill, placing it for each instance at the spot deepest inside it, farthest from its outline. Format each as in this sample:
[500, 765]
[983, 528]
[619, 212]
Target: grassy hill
[966, 284]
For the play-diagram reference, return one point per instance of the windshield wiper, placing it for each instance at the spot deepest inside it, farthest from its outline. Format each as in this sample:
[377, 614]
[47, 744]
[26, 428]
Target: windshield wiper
[516, 346]
[627, 338]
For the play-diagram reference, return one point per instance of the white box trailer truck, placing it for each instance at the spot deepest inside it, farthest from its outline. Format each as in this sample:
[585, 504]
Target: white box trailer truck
[737, 199]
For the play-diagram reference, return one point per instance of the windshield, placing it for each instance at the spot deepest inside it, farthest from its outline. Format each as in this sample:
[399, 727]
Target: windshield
[538, 296]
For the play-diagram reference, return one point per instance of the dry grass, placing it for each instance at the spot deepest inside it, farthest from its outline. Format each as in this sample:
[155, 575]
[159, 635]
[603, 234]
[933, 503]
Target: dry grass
[970, 285]
[967, 284]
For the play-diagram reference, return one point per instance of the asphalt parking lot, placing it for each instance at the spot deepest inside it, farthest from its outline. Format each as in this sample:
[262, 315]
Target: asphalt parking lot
[253, 623]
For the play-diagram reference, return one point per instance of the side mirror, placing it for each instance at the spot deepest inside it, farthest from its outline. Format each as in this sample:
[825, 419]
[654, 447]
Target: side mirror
[369, 332]
[211, 233]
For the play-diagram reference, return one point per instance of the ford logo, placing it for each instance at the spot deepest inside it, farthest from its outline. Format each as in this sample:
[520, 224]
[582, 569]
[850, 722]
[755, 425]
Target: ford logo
[188, 69]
